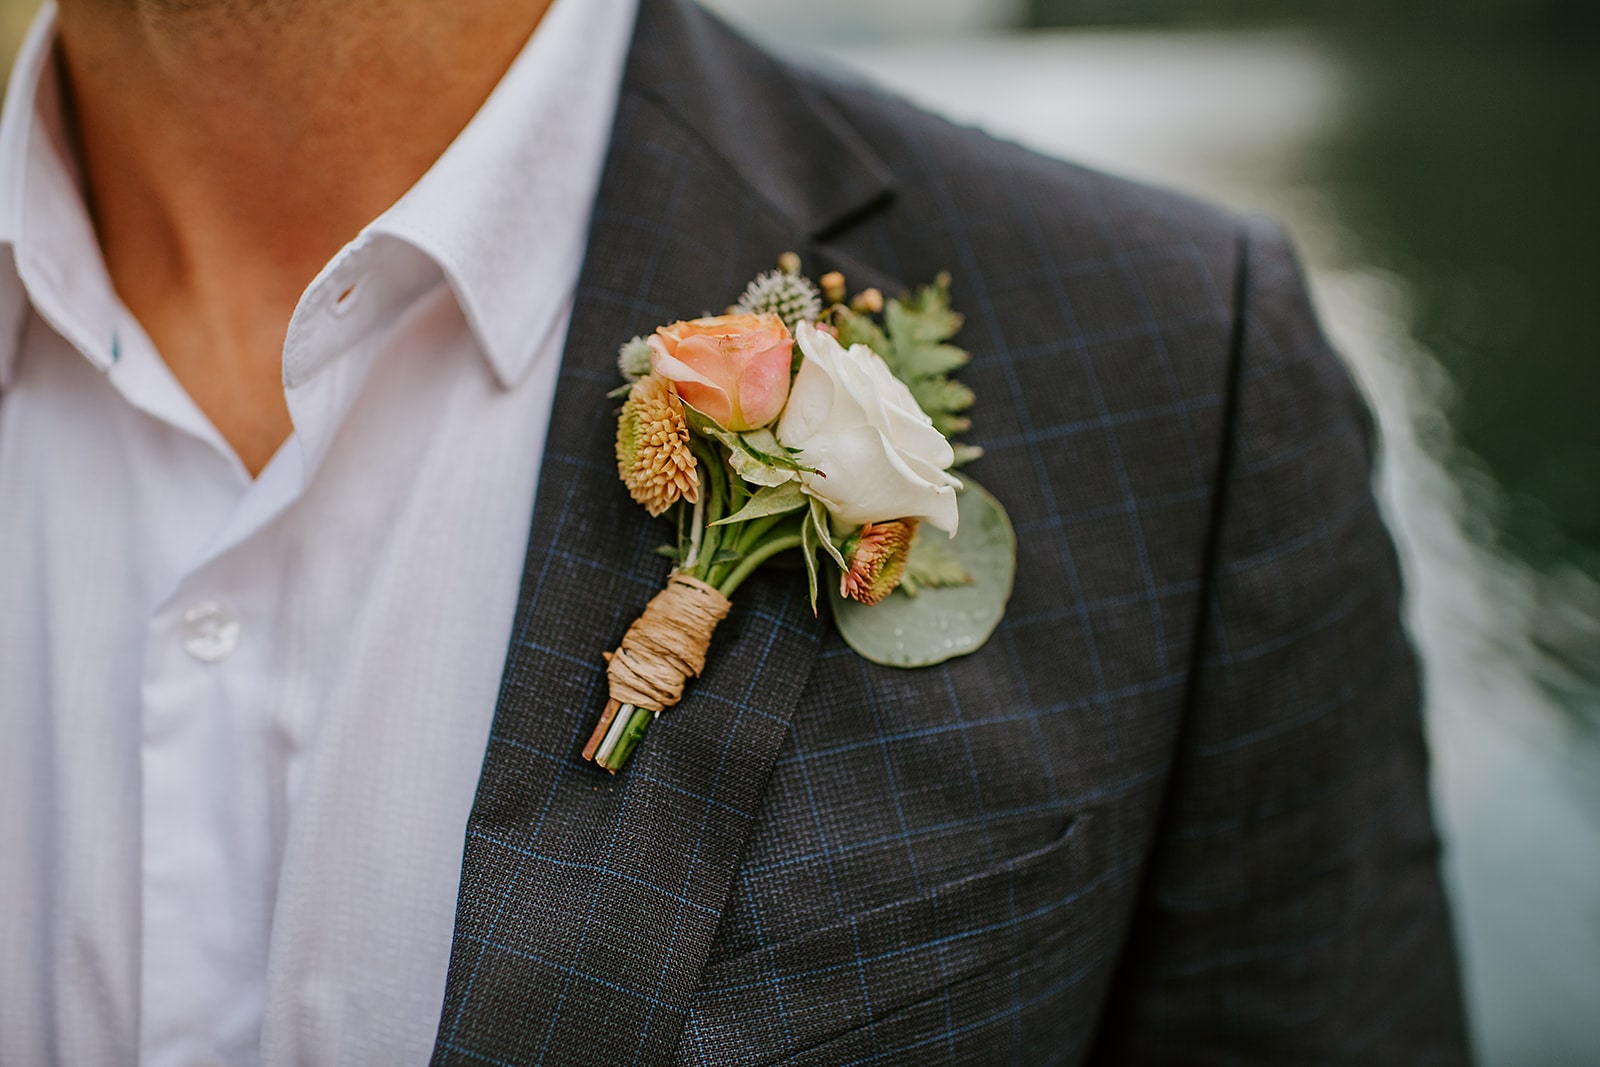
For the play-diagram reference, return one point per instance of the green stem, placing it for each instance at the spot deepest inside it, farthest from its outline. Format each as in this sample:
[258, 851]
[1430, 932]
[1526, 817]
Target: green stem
[712, 464]
[755, 559]
[741, 538]
[750, 533]
[631, 735]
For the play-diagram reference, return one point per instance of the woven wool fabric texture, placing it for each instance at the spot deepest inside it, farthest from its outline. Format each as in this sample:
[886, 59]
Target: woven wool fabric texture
[1174, 811]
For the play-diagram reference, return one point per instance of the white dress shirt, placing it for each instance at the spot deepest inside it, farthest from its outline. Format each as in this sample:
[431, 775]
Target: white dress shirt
[242, 720]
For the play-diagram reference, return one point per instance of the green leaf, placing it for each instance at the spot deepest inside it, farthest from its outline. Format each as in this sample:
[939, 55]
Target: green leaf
[808, 549]
[670, 551]
[965, 454]
[752, 470]
[751, 451]
[925, 315]
[819, 520]
[917, 329]
[942, 395]
[932, 565]
[857, 329]
[769, 500]
[946, 622]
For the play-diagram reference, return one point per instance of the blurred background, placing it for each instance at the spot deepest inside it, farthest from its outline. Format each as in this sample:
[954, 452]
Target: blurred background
[1438, 162]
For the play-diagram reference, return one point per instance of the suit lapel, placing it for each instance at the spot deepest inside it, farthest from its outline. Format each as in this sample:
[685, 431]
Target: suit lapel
[588, 903]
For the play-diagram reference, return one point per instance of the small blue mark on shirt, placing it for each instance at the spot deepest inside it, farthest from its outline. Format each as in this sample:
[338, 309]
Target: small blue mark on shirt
[116, 348]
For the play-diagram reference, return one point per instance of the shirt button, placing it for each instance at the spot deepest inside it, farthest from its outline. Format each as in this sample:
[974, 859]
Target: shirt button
[210, 631]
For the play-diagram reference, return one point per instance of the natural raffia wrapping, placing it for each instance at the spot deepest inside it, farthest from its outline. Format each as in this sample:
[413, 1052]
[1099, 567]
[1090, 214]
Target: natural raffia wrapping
[666, 646]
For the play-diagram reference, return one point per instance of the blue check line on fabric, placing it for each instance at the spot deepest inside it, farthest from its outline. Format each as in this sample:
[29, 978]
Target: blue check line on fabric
[1287, 357]
[974, 275]
[1275, 552]
[524, 598]
[1282, 641]
[1302, 447]
[1347, 692]
[1125, 481]
[1123, 506]
[937, 943]
[1079, 704]
[1300, 802]
[573, 972]
[1149, 328]
[632, 578]
[593, 868]
[1126, 265]
[579, 463]
[699, 841]
[462, 1050]
[1104, 793]
[1109, 420]
[1351, 852]
[657, 252]
[772, 964]
[523, 746]
[593, 666]
[1008, 639]
[890, 772]
[1103, 604]
[973, 777]
[645, 776]
[1017, 1007]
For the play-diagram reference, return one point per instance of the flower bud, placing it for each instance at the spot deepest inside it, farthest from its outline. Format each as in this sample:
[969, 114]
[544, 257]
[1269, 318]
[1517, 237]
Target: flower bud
[876, 555]
[732, 368]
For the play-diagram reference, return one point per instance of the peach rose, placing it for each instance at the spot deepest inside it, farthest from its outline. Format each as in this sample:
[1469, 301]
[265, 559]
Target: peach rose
[732, 368]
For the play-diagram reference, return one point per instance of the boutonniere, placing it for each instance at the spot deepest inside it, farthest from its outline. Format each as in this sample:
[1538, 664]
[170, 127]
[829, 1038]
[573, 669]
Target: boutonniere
[803, 423]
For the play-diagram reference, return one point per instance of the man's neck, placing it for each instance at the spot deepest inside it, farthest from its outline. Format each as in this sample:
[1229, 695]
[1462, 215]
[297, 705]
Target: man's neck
[232, 147]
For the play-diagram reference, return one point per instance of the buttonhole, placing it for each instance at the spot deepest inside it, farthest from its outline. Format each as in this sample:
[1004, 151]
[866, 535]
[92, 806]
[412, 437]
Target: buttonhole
[347, 299]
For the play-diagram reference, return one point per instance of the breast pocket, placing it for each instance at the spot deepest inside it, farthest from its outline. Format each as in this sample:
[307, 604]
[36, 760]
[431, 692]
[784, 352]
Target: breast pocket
[968, 957]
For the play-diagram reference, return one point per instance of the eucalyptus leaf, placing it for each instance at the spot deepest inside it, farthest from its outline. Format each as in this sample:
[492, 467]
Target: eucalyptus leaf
[770, 500]
[940, 624]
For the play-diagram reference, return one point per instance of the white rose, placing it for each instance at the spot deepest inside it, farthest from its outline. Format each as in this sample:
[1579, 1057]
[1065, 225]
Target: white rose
[878, 455]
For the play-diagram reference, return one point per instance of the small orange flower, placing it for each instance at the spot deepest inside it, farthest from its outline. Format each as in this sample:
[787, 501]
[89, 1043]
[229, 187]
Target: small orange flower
[653, 454]
[876, 555]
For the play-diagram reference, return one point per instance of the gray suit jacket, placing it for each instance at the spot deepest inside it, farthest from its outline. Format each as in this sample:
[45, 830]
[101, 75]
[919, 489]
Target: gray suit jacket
[1174, 811]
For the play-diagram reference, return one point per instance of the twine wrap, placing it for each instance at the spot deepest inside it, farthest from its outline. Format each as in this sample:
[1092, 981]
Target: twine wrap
[666, 646]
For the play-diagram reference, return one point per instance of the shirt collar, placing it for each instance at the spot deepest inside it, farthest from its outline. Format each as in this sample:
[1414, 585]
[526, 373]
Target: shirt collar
[503, 213]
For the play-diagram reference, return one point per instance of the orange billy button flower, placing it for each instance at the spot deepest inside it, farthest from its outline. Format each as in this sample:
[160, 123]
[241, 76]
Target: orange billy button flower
[653, 455]
[876, 555]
